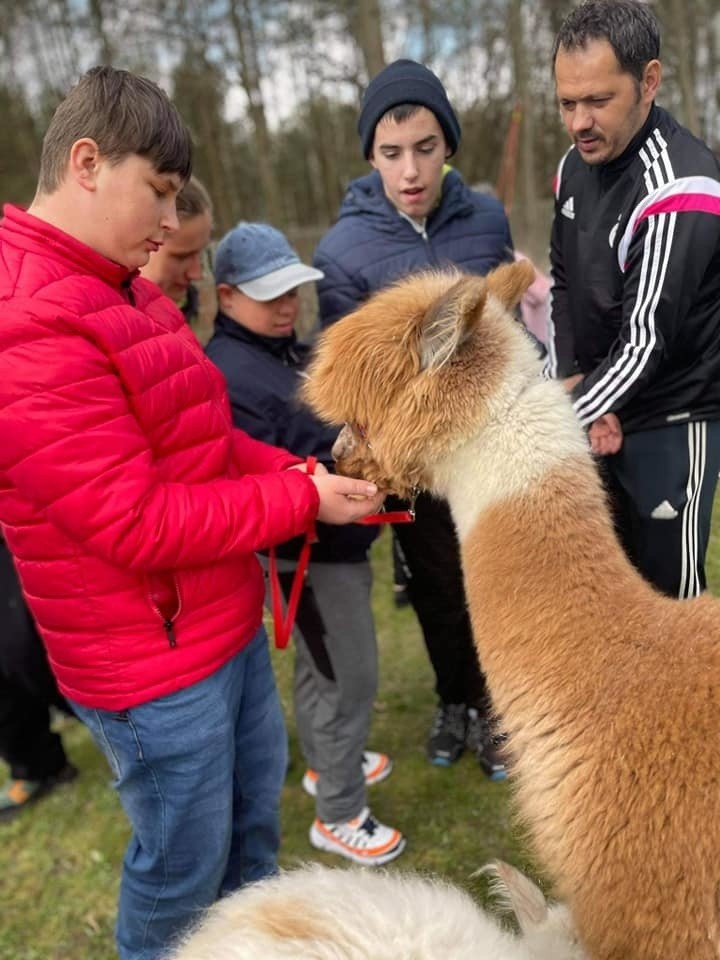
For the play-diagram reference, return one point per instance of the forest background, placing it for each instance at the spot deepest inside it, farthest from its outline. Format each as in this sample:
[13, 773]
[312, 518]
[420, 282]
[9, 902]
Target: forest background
[271, 90]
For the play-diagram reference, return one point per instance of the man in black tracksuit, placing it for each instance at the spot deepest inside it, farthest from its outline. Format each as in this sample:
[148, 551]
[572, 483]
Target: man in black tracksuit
[635, 260]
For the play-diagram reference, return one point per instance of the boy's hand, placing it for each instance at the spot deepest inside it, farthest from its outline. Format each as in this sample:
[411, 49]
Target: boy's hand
[344, 499]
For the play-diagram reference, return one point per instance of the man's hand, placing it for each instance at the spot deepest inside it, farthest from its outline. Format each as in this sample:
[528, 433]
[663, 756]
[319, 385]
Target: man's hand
[605, 435]
[344, 499]
[571, 382]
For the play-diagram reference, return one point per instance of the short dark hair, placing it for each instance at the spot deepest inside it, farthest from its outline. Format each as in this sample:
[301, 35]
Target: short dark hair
[401, 112]
[124, 114]
[629, 26]
[193, 200]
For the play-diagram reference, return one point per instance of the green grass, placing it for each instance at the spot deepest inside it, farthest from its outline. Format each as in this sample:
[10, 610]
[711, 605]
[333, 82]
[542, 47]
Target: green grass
[60, 861]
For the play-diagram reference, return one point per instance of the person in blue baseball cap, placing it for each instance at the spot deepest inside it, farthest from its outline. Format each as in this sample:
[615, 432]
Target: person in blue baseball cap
[257, 273]
[258, 260]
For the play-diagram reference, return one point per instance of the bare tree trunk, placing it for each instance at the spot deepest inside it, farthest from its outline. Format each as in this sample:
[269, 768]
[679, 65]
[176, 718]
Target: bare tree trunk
[241, 18]
[97, 19]
[365, 23]
[712, 97]
[680, 30]
[428, 21]
[520, 58]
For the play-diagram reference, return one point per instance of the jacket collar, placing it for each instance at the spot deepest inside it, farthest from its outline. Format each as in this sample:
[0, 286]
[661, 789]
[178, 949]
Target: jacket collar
[631, 150]
[38, 236]
[366, 195]
[286, 349]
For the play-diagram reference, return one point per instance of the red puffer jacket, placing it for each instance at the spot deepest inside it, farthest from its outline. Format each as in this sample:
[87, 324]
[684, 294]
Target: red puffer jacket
[131, 505]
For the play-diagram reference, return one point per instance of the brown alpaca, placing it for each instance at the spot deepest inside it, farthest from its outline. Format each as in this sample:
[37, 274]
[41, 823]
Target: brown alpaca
[609, 691]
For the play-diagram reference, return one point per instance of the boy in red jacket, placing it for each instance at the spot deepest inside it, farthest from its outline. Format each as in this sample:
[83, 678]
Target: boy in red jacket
[133, 509]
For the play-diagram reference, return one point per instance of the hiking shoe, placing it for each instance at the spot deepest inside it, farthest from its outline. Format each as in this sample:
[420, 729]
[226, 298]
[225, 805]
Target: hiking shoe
[485, 741]
[363, 840]
[400, 595]
[447, 734]
[375, 766]
[16, 794]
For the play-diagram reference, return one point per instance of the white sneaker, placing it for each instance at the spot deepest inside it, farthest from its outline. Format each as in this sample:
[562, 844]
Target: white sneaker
[375, 766]
[363, 839]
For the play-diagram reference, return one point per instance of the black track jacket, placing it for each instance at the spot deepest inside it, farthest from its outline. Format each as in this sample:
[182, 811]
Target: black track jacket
[635, 261]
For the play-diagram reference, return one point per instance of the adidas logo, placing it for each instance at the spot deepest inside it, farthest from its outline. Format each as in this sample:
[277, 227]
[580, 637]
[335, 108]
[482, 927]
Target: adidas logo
[568, 208]
[664, 511]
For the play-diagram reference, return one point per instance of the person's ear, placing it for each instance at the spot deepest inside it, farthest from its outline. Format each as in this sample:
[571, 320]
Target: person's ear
[650, 83]
[84, 163]
[224, 295]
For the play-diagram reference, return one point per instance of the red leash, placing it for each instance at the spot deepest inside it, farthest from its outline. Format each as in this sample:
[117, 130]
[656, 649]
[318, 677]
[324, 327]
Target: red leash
[283, 623]
[394, 516]
[390, 516]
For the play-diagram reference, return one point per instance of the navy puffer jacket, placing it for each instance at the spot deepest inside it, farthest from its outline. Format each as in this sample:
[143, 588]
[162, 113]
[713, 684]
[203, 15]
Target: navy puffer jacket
[371, 245]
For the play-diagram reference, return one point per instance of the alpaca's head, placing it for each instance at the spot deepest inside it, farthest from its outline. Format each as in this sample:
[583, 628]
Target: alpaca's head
[417, 370]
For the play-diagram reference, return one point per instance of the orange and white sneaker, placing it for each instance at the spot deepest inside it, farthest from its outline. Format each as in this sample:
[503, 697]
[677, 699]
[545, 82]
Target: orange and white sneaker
[376, 767]
[363, 839]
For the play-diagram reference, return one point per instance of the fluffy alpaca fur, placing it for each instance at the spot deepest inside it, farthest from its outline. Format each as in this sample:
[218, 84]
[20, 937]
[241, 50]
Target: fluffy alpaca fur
[322, 913]
[609, 691]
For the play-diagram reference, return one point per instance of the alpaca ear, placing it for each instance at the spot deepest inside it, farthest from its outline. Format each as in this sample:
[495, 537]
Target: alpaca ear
[516, 893]
[449, 321]
[510, 281]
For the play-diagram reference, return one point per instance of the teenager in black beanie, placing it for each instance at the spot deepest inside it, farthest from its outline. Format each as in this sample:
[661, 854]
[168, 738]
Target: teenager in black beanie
[413, 212]
[406, 81]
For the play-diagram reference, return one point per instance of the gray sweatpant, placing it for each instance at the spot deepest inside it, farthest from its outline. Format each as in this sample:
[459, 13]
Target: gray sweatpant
[336, 669]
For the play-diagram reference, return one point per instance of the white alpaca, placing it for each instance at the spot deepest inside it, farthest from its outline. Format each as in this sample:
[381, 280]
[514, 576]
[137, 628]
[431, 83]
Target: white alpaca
[323, 913]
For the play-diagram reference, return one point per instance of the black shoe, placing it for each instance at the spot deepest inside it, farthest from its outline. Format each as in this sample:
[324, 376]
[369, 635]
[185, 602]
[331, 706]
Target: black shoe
[18, 794]
[447, 734]
[400, 595]
[487, 744]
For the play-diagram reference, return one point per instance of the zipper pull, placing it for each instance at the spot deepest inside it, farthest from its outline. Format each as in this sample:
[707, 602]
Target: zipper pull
[170, 631]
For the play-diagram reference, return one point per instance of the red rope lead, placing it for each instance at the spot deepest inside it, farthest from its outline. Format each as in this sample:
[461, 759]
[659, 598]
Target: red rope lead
[391, 516]
[283, 624]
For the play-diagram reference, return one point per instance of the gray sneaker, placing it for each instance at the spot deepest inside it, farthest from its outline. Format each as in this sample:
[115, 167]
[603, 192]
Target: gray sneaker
[447, 734]
[486, 742]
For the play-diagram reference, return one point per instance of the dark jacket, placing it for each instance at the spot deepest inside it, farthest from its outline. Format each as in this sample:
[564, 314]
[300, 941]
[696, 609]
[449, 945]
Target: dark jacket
[371, 244]
[190, 307]
[635, 259]
[263, 374]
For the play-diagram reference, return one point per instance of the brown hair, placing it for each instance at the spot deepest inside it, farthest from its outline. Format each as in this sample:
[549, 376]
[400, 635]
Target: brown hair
[193, 200]
[124, 114]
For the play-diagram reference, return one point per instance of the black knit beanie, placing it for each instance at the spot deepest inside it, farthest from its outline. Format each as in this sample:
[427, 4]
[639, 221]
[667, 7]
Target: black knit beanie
[406, 81]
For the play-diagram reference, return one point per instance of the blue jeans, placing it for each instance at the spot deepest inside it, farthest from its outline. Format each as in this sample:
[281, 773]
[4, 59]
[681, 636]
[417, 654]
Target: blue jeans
[199, 775]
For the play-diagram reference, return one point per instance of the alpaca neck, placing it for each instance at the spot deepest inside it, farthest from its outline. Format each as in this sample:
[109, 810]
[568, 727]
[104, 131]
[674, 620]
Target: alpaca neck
[526, 437]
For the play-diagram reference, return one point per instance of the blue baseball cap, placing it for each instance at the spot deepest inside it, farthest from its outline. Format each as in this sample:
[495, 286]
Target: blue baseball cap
[258, 260]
